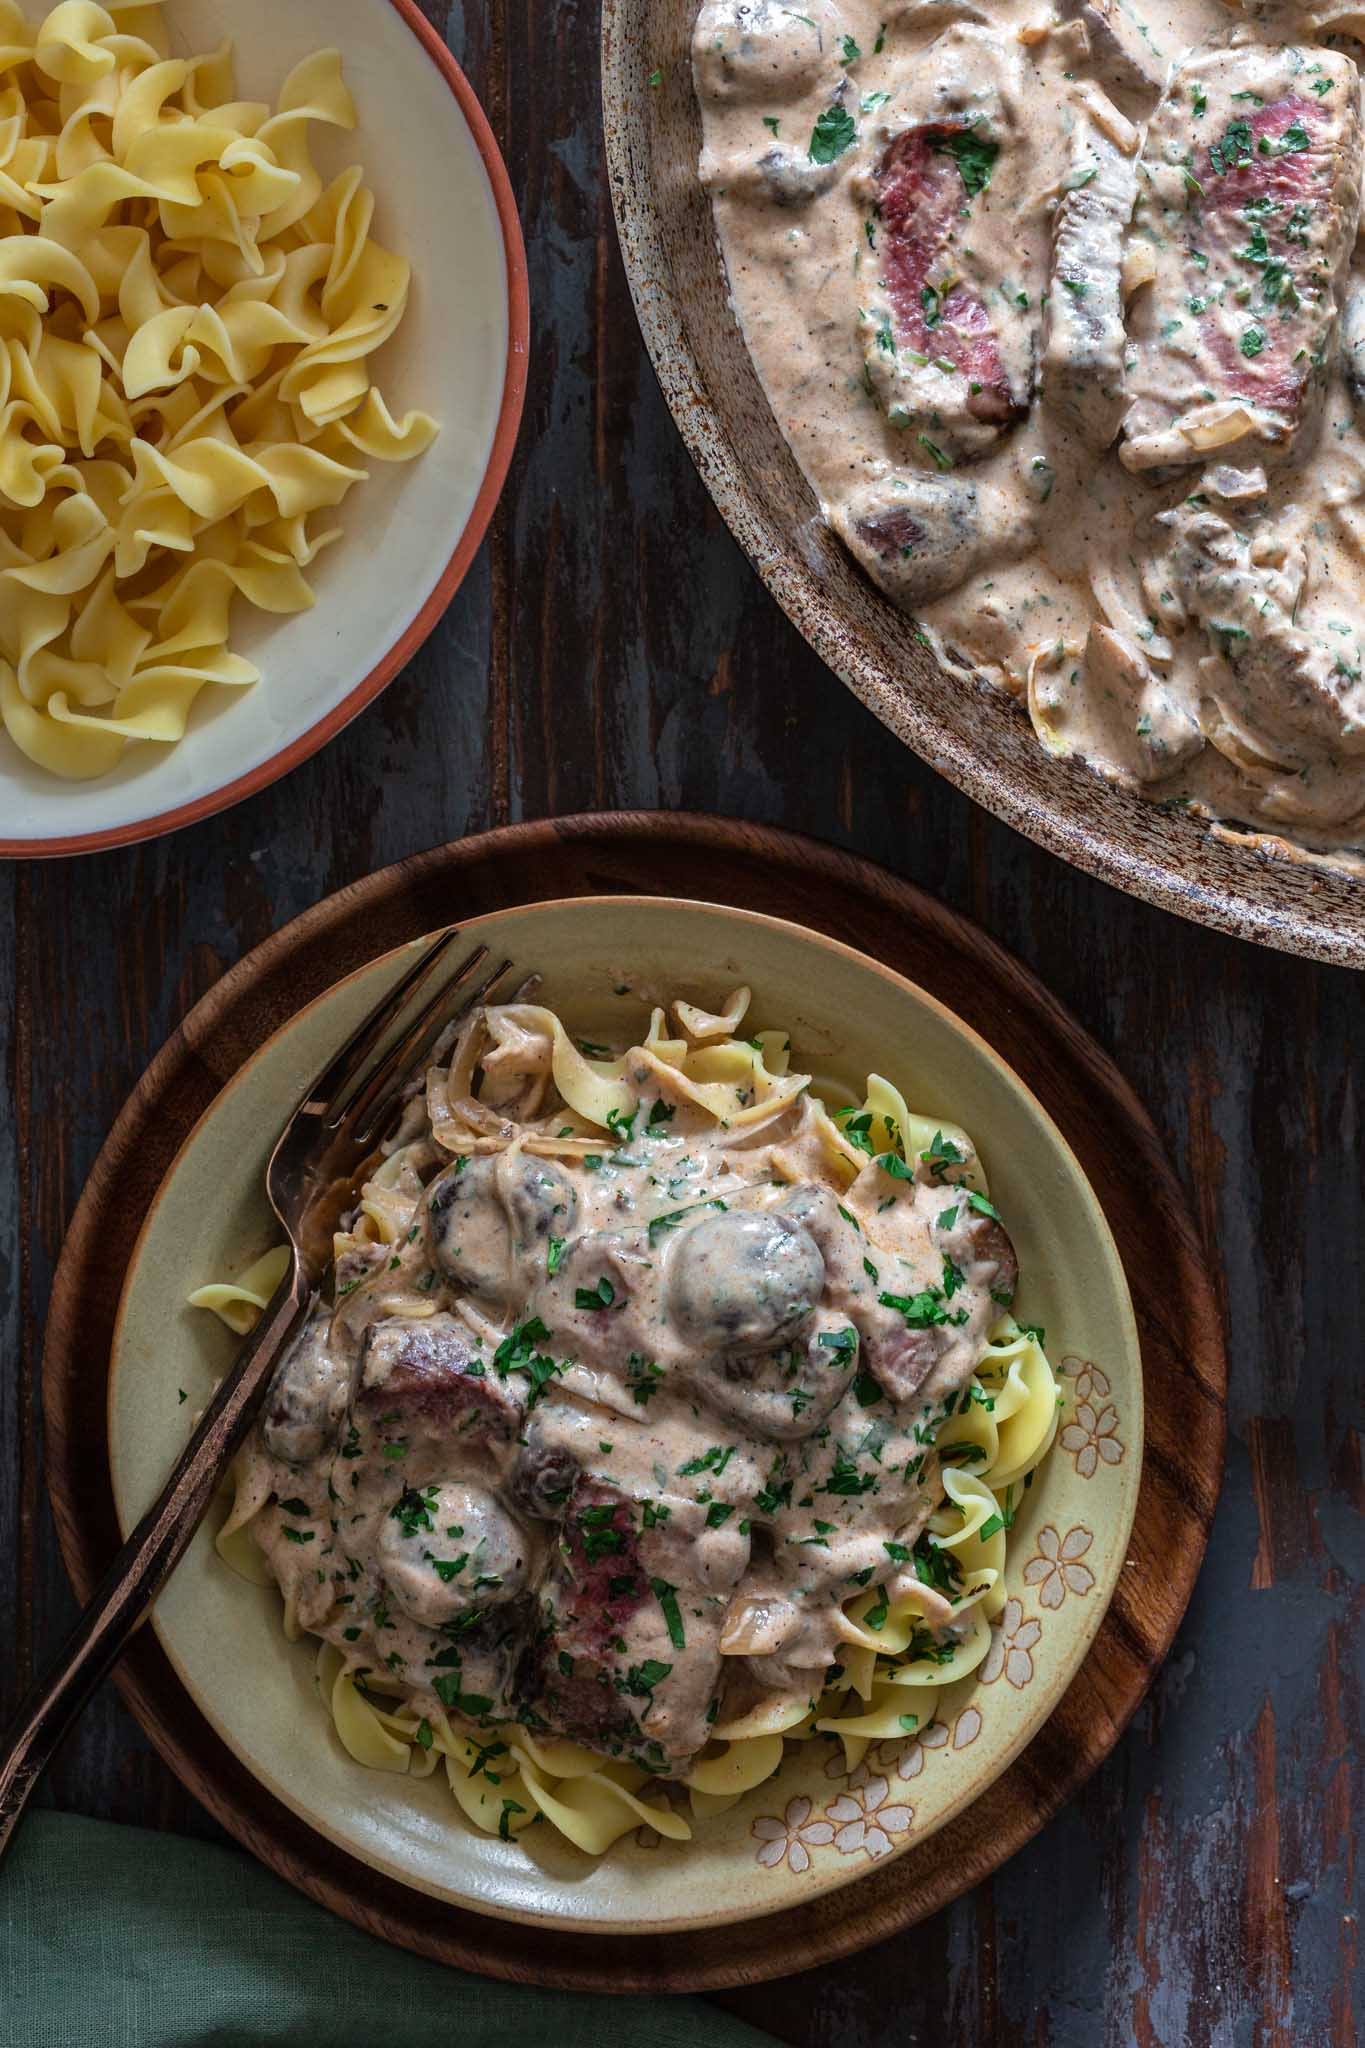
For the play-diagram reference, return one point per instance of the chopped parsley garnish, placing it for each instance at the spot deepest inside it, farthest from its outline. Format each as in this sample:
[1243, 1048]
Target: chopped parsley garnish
[667, 1597]
[953, 1277]
[662, 1112]
[832, 134]
[670, 1221]
[554, 1252]
[621, 1127]
[845, 1477]
[892, 1163]
[922, 1311]
[601, 1296]
[598, 1530]
[447, 1568]
[645, 1377]
[777, 1492]
[511, 1806]
[982, 1206]
[974, 156]
[641, 1679]
[412, 1510]
[875, 1618]
[942, 1154]
[850, 53]
[1233, 147]
[517, 1353]
[856, 1125]
[715, 1460]
[717, 1514]
[843, 1343]
[937, 1567]
[866, 1391]
[474, 1705]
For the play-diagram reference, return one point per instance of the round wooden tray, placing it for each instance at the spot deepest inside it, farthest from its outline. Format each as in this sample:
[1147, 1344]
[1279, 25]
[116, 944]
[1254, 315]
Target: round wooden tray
[1184, 1367]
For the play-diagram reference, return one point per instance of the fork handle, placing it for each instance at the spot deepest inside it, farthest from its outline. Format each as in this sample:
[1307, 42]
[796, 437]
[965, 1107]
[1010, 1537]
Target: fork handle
[146, 1560]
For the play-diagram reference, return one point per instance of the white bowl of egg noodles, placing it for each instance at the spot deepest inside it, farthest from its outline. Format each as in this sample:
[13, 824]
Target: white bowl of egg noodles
[709, 1460]
[263, 305]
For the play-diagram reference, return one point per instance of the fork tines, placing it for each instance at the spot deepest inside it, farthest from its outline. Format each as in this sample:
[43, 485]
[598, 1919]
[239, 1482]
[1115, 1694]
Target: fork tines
[374, 1102]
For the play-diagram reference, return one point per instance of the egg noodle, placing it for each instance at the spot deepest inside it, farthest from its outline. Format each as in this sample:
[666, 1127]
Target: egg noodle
[186, 318]
[989, 1436]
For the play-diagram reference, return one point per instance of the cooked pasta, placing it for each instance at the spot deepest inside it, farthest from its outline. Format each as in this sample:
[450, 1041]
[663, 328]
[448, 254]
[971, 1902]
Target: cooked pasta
[607, 1471]
[186, 319]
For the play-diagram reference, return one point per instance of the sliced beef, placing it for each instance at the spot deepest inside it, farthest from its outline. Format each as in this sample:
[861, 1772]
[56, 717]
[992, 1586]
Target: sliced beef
[1250, 202]
[919, 535]
[1083, 332]
[933, 348]
[1124, 53]
[424, 1378]
[627, 1659]
[947, 328]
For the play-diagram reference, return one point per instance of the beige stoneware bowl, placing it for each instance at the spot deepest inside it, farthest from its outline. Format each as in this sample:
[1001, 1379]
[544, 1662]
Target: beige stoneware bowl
[973, 734]
[815, 1826]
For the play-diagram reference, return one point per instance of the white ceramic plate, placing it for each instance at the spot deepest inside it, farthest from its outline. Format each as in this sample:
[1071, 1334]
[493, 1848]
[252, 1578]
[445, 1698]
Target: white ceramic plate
[443, 201]
[815, 1826]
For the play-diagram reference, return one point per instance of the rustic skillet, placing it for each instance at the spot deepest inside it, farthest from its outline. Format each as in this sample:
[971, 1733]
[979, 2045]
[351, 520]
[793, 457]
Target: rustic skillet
[973, 735]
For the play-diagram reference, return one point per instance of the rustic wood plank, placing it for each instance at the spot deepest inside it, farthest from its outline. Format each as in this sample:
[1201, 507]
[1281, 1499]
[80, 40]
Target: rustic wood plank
[613, 646]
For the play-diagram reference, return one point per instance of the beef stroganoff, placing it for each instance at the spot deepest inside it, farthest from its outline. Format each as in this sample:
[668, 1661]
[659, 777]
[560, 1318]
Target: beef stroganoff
[663, 1407]
[1062, 315]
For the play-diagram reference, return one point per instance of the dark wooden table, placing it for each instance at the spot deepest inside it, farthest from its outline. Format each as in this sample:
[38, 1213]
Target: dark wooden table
[613, 647]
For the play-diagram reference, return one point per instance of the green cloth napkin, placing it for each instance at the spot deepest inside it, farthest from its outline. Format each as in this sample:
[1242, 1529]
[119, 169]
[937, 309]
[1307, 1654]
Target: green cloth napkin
[112, 1937]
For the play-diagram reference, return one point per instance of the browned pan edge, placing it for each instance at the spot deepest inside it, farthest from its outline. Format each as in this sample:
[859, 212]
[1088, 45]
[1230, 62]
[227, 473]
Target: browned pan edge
[972, 733]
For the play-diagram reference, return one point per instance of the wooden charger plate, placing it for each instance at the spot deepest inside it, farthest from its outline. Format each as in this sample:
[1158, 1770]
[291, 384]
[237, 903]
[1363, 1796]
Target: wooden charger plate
[1184, 1368]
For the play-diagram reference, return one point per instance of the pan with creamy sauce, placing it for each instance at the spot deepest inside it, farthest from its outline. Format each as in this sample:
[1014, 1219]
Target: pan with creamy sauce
[633, 1429]
[1062, 315]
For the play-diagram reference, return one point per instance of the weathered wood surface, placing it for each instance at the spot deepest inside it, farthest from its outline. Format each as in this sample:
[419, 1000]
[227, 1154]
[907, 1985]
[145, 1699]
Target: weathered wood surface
[612, 647]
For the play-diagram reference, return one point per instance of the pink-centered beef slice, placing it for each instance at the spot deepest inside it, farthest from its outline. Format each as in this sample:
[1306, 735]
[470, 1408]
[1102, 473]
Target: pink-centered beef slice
[1249, 199]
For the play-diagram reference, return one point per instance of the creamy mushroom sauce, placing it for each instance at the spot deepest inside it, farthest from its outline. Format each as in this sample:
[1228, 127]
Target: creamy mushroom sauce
[608, 1436]
[1062, 316]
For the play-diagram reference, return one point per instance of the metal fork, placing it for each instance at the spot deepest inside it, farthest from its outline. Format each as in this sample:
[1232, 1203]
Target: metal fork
[314, 1176]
